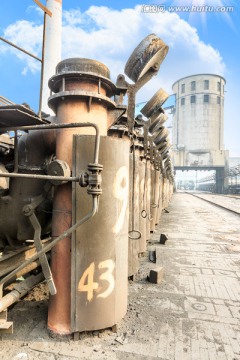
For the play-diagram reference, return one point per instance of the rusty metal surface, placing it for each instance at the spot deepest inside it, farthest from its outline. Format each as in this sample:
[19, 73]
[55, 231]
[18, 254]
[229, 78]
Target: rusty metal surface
[72, 73]
[141, 66]
[134, 232]
[17, 115]
[6, 327]
[58, 168]
[58, 98]
[48, 247]
[161, 135]
[133, 244]
[99, 248]
[155, 103]
[142, 204]
[39, 246]
[156, 199]
[149, 215]
[114, 115]
[157, 122]
[20, 290]
[68, 125]
[153, 205]
[35, 149]
[88, 66]
[149, 52]
[159, 208]
[77, 105]
[11, 259]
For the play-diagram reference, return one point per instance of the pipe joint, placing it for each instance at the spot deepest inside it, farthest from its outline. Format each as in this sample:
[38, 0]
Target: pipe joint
[92, 178]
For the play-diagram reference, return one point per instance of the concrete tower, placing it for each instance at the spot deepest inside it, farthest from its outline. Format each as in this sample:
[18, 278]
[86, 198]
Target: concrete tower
[198, 124]
[198, 121]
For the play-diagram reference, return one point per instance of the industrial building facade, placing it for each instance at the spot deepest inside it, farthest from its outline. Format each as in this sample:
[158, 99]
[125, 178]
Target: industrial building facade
[198, 123]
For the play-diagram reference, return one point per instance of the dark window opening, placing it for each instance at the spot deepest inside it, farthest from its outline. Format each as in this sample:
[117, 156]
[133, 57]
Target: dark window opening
[193, 99]
[206, 84]
[206, 98]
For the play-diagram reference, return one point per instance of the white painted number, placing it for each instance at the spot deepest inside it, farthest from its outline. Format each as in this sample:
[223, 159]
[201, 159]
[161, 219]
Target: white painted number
[107, 276]
[120, 192]
[87, 284]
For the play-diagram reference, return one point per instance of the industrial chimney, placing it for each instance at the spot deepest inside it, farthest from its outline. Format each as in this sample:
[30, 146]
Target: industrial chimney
[52, 48]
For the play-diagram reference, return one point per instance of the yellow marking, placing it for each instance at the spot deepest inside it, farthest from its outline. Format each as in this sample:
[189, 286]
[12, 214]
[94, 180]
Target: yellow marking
[86, 283]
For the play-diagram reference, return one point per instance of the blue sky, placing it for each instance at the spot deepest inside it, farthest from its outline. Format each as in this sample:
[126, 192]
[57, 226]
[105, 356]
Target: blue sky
[108, 31]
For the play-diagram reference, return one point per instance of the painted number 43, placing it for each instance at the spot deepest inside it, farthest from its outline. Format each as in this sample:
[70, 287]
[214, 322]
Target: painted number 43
[88, 285]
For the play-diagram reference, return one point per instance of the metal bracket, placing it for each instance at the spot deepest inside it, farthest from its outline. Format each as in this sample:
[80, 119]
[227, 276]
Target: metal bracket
[6, 327]
[115, 114]
[28, 210]
[133, 89]
[38, 244]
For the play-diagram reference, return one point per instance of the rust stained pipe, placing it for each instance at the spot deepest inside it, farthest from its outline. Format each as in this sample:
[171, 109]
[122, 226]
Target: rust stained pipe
[20, 290]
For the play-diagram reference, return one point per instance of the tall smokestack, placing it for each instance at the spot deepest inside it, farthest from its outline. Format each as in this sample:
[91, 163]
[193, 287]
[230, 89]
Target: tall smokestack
[53, 47]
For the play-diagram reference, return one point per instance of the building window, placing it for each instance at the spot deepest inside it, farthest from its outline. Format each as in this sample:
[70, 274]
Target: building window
[219, 86]
[182, 101]
[223, 89]
[218, 100]
[206, 98]
[183, 88]
[193, 85]
[193, 99]
[206, 84]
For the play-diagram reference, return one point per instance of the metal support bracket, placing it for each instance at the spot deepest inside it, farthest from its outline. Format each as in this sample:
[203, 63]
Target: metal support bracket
[38, 244]
[132, 90]
[6, 327]
[28, 210]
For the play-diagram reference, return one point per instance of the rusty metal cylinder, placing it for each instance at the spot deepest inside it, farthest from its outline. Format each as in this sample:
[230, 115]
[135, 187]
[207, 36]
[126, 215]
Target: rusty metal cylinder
[136, 230]
[100, 246]
[134, 234]
[153, 199]
[148, 206]
[81, 90]
[157, 194]
[165, 186]
[159, 209]
[142, 203]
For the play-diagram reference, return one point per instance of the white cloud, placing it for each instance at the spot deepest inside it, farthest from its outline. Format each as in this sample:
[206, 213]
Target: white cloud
[73, 17]
[114, 34]
[110, 36]
[28, 36]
